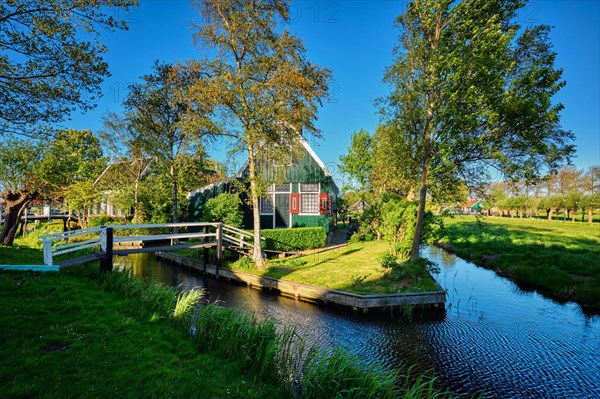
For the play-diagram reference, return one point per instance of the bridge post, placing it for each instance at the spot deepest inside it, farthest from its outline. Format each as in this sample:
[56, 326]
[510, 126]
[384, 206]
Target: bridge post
[106, 263]
[205, 249]
[219, 246]
[47, 251]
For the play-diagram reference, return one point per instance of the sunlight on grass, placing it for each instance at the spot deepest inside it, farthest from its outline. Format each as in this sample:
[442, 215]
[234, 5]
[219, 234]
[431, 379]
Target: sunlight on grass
[353, 268]
[561, 258]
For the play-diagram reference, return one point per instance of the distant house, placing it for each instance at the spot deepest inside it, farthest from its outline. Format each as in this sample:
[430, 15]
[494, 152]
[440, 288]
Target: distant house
[119, 174]
[472, 207]
[304, 198]
[359, 206]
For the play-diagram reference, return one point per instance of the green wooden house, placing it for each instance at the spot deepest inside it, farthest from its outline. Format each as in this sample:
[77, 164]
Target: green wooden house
[304, 198]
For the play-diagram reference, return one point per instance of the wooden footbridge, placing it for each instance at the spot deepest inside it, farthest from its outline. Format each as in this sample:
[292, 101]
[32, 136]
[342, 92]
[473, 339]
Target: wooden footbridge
[106, 241]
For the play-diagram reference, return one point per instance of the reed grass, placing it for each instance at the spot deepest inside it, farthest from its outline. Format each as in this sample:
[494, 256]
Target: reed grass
[339, 375]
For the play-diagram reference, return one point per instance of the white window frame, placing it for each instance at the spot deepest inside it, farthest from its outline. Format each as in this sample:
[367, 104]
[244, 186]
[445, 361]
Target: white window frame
[317, 193]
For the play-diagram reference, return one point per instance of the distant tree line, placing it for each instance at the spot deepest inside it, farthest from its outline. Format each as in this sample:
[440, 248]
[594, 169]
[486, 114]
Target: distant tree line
[571, 191]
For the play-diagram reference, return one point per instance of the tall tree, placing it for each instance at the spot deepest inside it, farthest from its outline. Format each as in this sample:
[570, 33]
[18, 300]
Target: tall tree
[50, 59]
[72, 156]
[470, 94]
[591, 180]
[357, 163]
[19, 182]
[155, 115]
[123, 144]
[261, 88]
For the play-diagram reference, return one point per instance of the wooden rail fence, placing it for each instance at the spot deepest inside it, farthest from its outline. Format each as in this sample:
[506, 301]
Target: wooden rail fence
[107, 243]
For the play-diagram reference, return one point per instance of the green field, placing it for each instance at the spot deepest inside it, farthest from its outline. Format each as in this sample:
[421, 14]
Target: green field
[562, 259]
[63, 335]
[353, 268]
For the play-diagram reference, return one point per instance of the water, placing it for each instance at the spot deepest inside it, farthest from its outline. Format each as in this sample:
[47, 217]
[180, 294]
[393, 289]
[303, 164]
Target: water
[494, 338]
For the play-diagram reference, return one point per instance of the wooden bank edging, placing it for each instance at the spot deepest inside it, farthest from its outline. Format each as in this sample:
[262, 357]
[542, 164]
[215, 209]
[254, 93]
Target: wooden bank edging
[315, 294]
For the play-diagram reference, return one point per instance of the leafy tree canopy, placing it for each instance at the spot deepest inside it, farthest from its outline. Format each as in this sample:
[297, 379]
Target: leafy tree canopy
[50, 59]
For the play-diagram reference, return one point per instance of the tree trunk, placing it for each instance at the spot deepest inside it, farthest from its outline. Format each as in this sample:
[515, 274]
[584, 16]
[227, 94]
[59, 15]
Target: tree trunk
[16, 203]
[550, 212]
[414, 253]
[590, 218]
[257, 253]
[174, 195]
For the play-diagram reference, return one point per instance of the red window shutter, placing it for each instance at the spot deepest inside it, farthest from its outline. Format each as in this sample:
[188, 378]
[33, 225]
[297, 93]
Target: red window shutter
[324, 203]
[294, 203]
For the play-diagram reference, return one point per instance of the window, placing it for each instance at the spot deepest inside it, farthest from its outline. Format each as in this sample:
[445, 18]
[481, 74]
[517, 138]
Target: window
[309, 203]
[266, 206]
[285, 188]
[309, 198]
[309, 187]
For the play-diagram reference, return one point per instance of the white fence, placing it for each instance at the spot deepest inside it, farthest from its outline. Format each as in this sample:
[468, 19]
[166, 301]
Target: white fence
[99, 237]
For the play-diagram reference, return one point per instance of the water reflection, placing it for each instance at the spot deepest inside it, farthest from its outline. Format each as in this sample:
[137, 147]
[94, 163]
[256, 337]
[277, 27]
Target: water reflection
[495, 337]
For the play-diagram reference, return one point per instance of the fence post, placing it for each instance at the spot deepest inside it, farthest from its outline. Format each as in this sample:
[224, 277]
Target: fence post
[47, 251]
[106, 240]
[205, 249]
[219, 246]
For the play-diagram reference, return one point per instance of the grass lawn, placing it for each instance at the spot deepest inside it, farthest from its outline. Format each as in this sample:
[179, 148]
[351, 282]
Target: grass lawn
[560, 258]
[64, 336]
[353, 268]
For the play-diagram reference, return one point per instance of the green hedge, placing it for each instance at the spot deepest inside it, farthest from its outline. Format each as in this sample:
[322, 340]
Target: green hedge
[294, 239]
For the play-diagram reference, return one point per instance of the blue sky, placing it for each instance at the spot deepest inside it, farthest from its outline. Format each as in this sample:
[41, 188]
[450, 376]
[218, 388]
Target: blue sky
[355, 39]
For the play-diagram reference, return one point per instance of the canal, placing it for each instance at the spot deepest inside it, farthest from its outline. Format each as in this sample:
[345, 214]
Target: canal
[493, 338]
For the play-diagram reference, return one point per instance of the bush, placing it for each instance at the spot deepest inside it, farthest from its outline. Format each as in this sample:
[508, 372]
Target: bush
[224, 208]
[294, 239]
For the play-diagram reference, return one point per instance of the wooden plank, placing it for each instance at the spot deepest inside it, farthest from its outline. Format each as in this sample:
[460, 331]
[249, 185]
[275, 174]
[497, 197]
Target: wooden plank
[80, 260]
[159, 237]
[73, 249]
[164, 248]
[161, 225]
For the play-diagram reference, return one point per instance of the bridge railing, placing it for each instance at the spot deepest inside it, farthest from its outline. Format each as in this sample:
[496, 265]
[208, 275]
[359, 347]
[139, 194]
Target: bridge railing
[218, 235]
[50, 250]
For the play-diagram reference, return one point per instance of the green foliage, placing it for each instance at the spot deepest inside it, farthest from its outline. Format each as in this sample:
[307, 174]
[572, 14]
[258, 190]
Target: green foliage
[19, 161]
[398, 222]
[244, 263]
[72, 156]
[51, 59]
[337, 374]
[294, 239]
[155, 113]
[256, 343]
[226, 208]
[359, 160]
[104, 220]
[341, 209]
[466, 90]
[411, 270]
[262, 88]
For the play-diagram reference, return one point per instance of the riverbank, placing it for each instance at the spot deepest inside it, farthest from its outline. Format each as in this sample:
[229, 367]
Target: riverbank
[561, 259]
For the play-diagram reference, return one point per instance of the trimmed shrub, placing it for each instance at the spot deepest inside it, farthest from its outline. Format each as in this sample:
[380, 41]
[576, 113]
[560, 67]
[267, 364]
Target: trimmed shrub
[224, 208]
[294, 239]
